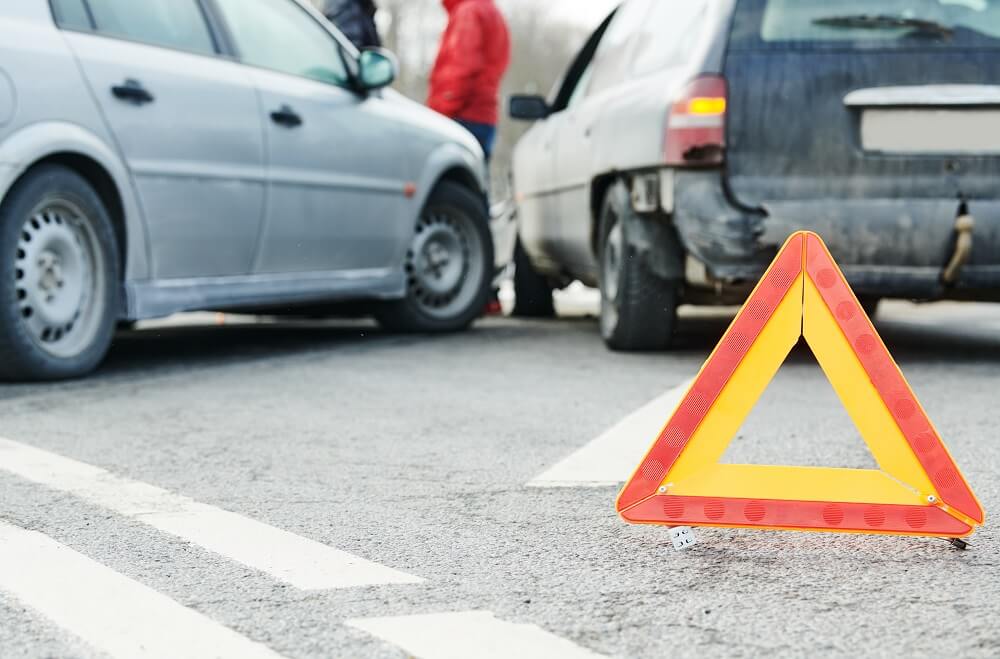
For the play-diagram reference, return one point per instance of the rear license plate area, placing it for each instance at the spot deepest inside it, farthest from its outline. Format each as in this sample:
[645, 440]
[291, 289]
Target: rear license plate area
[931, 131]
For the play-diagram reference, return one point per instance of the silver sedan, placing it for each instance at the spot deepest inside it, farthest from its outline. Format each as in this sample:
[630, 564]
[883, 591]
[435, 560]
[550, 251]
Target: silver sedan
[176, 155]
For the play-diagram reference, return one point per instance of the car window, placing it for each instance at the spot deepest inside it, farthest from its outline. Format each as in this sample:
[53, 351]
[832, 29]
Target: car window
[71, 14]
[582, 84]
[573, 87]
[611, 60]
[668, 35]
[280, 35]
[869, 23]
[172, 23]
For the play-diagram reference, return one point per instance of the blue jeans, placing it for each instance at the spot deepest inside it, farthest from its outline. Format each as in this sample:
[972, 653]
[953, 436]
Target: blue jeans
[485, 134]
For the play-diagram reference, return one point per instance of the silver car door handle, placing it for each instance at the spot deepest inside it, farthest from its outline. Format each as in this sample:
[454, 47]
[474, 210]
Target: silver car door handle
[132, 91]
[287, 117]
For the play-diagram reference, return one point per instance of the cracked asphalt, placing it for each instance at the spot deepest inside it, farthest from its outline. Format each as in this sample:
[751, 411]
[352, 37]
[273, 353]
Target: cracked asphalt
[415, 452]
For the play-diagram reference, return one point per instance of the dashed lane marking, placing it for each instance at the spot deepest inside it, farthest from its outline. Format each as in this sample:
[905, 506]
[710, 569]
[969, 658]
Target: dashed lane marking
[108, 611]
[469, 635]
[611, 458]
[289, 558]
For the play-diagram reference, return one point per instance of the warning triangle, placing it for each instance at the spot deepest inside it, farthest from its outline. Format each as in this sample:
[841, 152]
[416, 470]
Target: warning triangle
[917, 490]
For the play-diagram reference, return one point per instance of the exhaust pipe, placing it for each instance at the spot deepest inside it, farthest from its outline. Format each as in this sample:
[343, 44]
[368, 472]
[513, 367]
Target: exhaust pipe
[964, 226]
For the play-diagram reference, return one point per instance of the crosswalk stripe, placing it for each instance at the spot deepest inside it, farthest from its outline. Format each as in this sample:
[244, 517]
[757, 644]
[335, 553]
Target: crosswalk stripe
[108, 611]
[469, 635]
[612, 457]
[289, 558]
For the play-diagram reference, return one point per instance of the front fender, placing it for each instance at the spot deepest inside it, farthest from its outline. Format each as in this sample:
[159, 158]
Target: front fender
[36, 142]
[444, 158]
[448, 157]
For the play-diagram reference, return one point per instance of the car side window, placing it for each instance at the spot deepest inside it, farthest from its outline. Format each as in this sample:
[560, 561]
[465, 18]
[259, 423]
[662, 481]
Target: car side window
[280, 35]
[582, 84]
[611, 63]
[573, 87]
[71, 15]
[668, 35]
[176, 24]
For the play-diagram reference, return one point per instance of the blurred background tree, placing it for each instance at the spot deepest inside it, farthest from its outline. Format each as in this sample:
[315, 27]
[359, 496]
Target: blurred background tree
[542, 44]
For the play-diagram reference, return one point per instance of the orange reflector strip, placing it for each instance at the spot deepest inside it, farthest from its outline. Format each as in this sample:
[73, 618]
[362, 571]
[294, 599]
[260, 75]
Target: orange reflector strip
[797, 516]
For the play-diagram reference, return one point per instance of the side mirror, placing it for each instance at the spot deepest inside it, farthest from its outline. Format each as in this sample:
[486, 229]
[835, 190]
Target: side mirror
[377, 68]
[529, 108]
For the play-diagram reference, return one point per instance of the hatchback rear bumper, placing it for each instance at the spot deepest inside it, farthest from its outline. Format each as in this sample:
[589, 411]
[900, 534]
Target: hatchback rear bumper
[887, 248]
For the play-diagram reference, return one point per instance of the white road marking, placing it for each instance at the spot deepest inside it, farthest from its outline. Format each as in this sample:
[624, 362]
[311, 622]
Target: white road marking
[469, 635]
[292, 559]
[108, 611]
[611, 458]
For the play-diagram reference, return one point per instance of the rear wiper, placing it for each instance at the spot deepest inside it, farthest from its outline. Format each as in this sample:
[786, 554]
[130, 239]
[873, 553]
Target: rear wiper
[885, 22]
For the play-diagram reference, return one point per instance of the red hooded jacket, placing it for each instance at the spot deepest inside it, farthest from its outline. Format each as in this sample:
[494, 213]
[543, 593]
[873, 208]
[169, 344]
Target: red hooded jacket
[474, 54]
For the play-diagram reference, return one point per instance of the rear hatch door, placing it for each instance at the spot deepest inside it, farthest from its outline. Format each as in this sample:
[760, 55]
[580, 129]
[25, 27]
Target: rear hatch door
[873, 122]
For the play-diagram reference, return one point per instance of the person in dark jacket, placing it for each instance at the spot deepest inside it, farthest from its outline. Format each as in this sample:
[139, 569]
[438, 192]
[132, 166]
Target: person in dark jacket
[474, 55]
[356, 19]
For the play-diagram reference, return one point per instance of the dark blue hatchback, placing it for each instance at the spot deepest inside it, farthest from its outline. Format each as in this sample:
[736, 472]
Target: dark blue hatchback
[691, 137]
[876, 124]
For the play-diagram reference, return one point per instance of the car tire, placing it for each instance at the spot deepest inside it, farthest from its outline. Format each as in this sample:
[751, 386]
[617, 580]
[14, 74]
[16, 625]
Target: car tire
[448, 266]
[532, 291]
[59, 277]
[638, 309]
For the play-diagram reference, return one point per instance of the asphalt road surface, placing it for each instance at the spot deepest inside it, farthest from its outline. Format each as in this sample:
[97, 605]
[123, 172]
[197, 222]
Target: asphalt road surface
[326, 490]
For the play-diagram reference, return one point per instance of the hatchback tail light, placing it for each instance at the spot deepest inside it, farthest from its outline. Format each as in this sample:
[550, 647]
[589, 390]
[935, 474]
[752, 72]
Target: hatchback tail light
[696, 127]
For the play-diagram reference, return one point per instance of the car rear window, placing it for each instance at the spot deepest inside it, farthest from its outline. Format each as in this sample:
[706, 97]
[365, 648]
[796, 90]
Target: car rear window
[869, 23]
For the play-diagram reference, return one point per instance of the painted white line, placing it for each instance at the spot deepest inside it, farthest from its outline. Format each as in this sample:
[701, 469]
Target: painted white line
[292, 559]
[108, 611]
[469, 635]
[611, 458]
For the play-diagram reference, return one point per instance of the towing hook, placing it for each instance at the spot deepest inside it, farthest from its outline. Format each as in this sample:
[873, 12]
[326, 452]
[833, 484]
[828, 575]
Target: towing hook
[964, 226]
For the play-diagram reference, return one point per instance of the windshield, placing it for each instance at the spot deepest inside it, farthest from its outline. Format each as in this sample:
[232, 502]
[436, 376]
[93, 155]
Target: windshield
[945, 22]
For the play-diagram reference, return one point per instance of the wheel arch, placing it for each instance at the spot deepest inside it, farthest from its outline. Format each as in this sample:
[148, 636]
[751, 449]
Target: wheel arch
[94, 159]
[101, 180]
[462, 176]
[654, 238]
[599, 187]
[454, 163]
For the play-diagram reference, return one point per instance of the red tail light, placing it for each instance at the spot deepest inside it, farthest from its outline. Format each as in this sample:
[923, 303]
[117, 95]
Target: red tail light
[696, 127]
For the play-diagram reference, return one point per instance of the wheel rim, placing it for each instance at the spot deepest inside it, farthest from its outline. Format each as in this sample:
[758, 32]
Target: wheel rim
[444, 265]
[612, 254]
[59, 280]
[612, 263]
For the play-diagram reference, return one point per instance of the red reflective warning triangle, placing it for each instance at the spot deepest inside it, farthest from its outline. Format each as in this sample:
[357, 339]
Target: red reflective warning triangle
[917, 490]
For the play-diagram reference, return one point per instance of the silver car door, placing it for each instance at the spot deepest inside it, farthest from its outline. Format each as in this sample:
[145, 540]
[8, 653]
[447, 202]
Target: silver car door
[541, 176]
[188, 125]
[336, 162]
[533, 165]
[574, 163]
[574, 149]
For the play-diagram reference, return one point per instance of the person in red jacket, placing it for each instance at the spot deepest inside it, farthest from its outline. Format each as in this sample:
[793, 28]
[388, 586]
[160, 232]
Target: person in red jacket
[474, 54]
